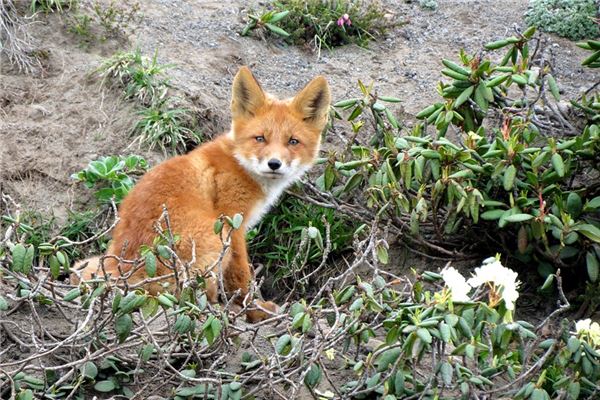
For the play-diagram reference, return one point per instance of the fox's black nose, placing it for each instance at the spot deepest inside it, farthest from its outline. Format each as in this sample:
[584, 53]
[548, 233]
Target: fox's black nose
[274, 164]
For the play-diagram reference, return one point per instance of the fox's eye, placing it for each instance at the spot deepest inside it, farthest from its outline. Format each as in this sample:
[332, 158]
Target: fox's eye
[293, 141]
[260, 139]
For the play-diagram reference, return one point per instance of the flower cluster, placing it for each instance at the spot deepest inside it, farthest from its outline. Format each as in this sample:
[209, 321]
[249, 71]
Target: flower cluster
[344, 20]
[502, 282]
[585, 328]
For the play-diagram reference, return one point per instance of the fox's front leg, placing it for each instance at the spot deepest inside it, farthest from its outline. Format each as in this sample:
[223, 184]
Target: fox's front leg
[237, 275]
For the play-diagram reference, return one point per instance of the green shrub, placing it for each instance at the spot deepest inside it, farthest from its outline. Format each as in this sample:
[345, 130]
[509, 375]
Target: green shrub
[98, 20]
[293, 239]
[573, 19]
[141, 77]
[429, 4]
[164, 126]
[509, 185]
[112, 176]
[52, 5]
[323, 23]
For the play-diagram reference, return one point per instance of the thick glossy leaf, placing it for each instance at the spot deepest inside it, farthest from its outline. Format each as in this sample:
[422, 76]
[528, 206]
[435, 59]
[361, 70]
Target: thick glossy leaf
[592, 265]
[518, 217]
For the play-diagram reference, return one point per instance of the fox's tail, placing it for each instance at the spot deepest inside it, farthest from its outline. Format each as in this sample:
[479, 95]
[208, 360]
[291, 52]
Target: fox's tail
[83, 270]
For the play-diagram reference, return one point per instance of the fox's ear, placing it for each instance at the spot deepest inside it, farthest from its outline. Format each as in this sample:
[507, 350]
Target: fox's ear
[313, 102]
[247, 96]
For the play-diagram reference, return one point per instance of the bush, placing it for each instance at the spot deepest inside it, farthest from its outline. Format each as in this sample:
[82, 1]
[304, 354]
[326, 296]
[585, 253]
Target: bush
[98, 20]
[573, 19]
[512, 185]
[322, 23]
[142, 78]
[112, 176]
[52, 5]
[296, 240]
[165, 126]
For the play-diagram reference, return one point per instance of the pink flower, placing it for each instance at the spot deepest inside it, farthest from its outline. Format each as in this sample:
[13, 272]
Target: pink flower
[344, 20]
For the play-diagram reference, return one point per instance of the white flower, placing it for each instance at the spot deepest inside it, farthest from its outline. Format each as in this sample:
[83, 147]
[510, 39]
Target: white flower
[502, 278]
[583, 326]
[459, 288]
[589, 329]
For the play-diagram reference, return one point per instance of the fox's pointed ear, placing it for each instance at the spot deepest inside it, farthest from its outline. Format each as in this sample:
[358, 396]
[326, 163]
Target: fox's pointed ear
[247, 96]
[313, 102]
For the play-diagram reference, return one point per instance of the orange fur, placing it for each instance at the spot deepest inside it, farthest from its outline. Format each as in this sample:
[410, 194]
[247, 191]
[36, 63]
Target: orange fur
[226, 176]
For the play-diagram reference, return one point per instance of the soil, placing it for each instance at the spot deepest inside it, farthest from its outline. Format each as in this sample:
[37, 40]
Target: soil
[54, 123]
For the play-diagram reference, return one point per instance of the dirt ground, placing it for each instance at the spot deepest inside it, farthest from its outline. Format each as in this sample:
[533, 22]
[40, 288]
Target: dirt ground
[53, 125]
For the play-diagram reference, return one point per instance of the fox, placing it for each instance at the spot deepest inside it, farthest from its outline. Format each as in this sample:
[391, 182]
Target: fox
[270, 145]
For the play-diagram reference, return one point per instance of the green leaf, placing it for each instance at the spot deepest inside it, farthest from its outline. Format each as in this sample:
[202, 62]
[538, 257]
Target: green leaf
[282, 343]
[592, 265]
[346, 103]
[446, 370]
[553, 87]
[427, 111]
[548, 282]
[150, 307]
[89, 370]
[72, 294]
[574, 204]
[313, 377]
[388, 358]
[464, 96]
[146, 352]
[25, 395]
[184, 324]
[573, 344]
[218, 227]
[589, 230]
[445, 332]
[497, 44]
[123, 327]
[558, 164]
[150, 261]
[163, 251]
[105, 386]
[424, 335]
[279, 16]
[54, 265]
[3, 304]
[518, 217]
[509, 177]
[188, 392]
[593, 204]
[492, 215]
[382, 254]
[276, 30]
[237, 221]
[573, 390]
[18, 256]
[389, 99]
[496, 81]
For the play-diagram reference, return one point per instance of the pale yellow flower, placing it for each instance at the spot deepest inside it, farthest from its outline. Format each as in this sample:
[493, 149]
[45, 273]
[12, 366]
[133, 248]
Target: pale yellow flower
[585, 328]
[459, 288]
[504, 281]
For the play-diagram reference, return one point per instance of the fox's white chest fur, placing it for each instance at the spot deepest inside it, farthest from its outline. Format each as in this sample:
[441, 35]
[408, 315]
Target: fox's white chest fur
[272, 190]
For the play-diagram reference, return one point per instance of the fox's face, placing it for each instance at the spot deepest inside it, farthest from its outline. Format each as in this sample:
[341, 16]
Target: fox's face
[277, 140]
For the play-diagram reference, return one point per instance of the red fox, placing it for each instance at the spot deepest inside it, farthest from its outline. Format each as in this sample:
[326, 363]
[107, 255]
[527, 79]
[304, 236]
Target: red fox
[271, 144]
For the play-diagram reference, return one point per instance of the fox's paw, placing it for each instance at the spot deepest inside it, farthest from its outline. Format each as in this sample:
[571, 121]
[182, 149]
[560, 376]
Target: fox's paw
[261, 311]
